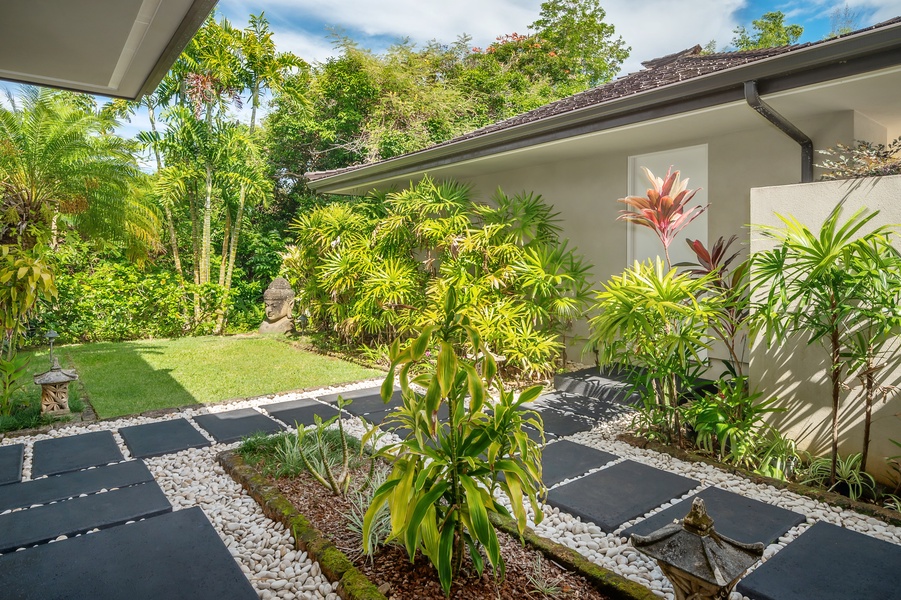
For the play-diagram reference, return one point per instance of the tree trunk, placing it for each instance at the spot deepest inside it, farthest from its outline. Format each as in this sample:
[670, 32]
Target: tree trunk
[170, 222]
[225, 239]
[868, 419]
[207, 227]
[195, 247]
[254, 100]
[836, 373]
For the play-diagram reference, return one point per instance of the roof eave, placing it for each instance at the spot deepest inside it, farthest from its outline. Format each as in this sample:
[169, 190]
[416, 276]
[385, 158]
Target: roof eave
[712, 85]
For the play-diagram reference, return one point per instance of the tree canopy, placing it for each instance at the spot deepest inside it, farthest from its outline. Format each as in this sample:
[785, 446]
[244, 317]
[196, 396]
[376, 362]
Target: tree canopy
[769, 31]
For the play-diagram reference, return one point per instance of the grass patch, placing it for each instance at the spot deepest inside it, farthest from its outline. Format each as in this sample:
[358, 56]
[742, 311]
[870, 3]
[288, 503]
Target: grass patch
[132, 377]
[27, 400]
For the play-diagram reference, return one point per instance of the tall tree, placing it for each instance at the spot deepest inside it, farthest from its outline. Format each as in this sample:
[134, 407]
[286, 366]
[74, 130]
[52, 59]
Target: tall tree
[262, 67]
[576, 31]
[769, 31]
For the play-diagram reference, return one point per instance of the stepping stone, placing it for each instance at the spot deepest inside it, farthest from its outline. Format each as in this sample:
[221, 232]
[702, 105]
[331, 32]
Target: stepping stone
[561, 424]
[301, 412]
[164, 437]
[734, 516]
[590, 408]
[70, 485]
[176, 555]
[611, 385]
[625, 491]
[11, 458]
[44, 523]
[73, 453]
[827, 562]
[565, 460]
[232, 425]
[365, 401]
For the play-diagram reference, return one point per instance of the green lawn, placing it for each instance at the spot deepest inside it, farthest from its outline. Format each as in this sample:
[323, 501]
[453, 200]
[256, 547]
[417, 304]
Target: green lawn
[132, 377]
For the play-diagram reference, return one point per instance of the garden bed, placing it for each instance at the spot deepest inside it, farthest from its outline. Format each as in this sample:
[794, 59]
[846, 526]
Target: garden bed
[884, 514]
[316, 519]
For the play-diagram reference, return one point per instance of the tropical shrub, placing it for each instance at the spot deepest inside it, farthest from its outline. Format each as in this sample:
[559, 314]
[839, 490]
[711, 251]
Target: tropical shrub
[445, 474]
[729, 422]
[862, 159]
[378, 268]
[25, 280]
[813, 283]
[655, 321]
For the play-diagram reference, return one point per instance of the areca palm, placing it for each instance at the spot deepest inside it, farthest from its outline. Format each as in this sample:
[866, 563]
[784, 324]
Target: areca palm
[57, 160]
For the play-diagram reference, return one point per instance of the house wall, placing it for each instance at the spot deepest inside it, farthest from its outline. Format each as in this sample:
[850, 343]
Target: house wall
[796, 372]
[585, 191]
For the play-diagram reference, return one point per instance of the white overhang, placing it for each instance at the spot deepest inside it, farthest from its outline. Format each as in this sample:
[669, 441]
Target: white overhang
[118, 48]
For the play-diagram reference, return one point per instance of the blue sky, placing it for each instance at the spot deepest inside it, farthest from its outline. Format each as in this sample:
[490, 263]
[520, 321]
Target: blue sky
[652, 28]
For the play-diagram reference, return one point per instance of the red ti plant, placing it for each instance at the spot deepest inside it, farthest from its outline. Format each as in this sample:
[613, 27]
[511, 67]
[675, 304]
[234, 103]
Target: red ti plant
[729, 322]
[664, 210]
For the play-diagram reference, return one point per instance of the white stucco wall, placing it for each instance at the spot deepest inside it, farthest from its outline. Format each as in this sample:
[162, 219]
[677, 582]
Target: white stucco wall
[796, 373]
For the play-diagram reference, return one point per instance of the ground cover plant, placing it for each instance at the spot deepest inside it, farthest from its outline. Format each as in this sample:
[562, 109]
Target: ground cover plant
[132, 377]
[380, 268]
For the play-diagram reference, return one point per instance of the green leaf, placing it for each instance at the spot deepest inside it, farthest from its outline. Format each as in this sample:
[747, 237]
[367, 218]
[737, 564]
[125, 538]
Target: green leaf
[444, 562]
[447, 369]
[425, 501]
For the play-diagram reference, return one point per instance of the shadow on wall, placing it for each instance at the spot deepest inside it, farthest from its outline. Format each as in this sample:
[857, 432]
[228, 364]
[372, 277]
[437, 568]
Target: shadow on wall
[797, 372]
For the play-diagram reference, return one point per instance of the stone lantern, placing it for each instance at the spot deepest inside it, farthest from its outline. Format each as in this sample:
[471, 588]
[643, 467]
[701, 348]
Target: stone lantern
[700, 563]
[55, 389]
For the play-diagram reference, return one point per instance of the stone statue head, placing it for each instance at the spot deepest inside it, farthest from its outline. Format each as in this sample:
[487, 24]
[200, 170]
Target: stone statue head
[279, 300]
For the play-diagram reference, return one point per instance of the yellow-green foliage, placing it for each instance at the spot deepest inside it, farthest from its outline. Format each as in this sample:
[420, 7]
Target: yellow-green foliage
[379, 268]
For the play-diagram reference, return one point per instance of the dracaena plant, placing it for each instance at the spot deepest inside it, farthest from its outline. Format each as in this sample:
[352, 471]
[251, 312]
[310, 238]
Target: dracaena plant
[730, 323]
[664, 210]
[445, 474]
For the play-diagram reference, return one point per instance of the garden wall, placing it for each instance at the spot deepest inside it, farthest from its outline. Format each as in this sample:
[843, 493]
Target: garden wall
[796, 372]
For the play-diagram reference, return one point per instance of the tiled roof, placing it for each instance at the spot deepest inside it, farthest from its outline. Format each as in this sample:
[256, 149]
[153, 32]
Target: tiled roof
[658, 73]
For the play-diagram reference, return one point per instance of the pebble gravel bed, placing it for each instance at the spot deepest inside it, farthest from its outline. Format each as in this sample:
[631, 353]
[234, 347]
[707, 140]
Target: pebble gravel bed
[265, 552]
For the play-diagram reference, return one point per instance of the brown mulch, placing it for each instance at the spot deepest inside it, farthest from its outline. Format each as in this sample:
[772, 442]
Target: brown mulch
[391, 569]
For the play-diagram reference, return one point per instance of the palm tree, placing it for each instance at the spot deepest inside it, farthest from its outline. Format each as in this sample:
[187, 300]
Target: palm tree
[262, 67]
[58, 161]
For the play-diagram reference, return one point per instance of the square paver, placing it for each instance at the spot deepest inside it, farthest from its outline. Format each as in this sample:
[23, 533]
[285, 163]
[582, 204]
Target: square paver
[164, 437]
[78, 515]
[300, 412]
[565, 460]
[72, 453]
[734, 516]
[365, 401]
[232, 425]
[625, 491]
[11, 458]
[175, 555]
[828, 562]
[72, 484]
[562, 424]
[584, 406]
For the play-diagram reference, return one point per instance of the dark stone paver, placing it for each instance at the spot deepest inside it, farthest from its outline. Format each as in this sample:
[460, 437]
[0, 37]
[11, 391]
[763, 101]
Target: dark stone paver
[827, 562]
[610, 385]
[176, 555]
[232, 425]
[564, 460]
[75, 452]
[734, 516]
[78, 515]
[163, 437]
[11, 458]
[365, 401]
[562, 424]
[300, 411]
[73, 484]
[585, 406]
[620, 493]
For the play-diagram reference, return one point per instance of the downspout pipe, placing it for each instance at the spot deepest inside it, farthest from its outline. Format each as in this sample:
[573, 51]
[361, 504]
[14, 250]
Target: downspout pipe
[785, 126]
